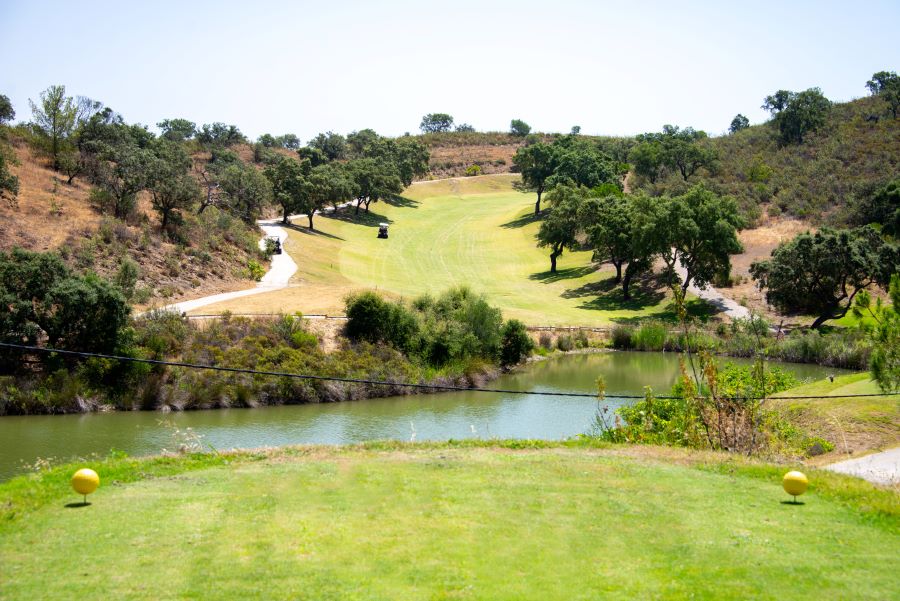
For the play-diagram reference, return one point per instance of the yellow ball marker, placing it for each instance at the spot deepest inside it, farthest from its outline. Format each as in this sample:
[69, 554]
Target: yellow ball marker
[795, 484]
[85, 481]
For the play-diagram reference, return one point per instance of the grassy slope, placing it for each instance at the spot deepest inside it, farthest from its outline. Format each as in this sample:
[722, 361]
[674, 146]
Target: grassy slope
[473, 231]
[443, 521]
[851, 424]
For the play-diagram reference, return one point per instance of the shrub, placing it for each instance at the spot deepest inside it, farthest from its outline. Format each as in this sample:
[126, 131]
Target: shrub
[565, 343]
[516, 344]
[621, 336]
[472, 170]
[545, 340]
[372, 319]
[256, 270]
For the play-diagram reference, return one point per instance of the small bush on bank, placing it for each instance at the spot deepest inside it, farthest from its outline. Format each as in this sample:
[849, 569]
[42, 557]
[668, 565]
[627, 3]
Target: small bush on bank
[621, 337]
[650, 336]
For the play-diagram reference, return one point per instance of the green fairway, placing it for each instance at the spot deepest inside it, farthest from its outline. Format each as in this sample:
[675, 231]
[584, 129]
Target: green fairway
[446, 522]
[475, 231]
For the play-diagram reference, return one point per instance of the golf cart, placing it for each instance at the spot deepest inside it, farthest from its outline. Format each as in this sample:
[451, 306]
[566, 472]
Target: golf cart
[273, 243]
[382, 230]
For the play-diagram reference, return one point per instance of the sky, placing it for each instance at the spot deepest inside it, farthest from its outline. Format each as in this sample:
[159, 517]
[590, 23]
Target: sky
[613, 68]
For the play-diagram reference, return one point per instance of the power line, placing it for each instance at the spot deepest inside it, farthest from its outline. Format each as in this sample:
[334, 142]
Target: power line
[445, 387]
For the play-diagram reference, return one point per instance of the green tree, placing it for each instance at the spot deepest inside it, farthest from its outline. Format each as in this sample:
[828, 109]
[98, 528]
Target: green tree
[886, 84]
[9, 183]
[698, 230]
[647, 157]
[739, 123]
[289, 185]
[517, 127]
[885, 359]
[177, 130]
[7, 112]
[582, 164]
[881, 207]
[123, 170]
[172, 189]
[465, 128]
[332, 145]
[289, 141]
[373, 180]
[621, 231]
[820, 274]
[560, 227]
[43, 299]
[54, 119]
[536, 163]
[436, 122]
[220, 134]
[797, 113]
[515, 344]
[245, 191]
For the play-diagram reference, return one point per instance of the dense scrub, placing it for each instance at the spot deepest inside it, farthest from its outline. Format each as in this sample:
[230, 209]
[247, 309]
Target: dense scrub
[280, 344]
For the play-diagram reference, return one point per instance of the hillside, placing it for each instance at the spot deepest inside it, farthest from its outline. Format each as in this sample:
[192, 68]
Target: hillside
[211, 256]
[856, 150]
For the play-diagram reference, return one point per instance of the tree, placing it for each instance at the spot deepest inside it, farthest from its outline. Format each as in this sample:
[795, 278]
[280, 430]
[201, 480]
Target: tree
[373, 180]
[738, 123]
[220, 134]
[699, 230]
[886, 84]
[435, 123]
[820, 274]
[289, 141]
[7, 112]
[582, 164]
[561, 225]
[620, 230]
[54, 120]
[536, 163]
[177, 130]
[465, 127]
[289, 185]
[332, 145]
[360, 141]
[123, 170]
[266, 141]
[881, 207]
[517, 127]
[797, 113]
[245, 191]
[9, 183]
[647, 159]
[576, 130]
[328, 184]
[172, 189]
[885, 335]
[515, 343]
[43, 299]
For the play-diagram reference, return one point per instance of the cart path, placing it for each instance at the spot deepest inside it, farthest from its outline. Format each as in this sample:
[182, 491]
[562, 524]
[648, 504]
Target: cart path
[279, 275]
[880, 468]
[728, 306]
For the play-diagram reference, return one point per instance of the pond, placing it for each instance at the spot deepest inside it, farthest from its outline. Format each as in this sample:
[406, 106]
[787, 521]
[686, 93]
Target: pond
[417, 417]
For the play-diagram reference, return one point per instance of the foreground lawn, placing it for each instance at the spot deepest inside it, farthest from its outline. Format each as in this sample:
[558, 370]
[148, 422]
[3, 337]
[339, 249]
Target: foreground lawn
[474, 521]
[474, 231]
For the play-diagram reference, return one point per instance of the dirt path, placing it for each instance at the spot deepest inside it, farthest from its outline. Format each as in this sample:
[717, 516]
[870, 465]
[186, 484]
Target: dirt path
[880, 468]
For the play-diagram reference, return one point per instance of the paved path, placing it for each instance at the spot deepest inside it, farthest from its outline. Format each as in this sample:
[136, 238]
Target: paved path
[278, 276]
[729, 307]
[880, 468]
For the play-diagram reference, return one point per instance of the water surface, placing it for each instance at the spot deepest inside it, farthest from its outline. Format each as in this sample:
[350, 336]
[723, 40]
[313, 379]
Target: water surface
[416, 417]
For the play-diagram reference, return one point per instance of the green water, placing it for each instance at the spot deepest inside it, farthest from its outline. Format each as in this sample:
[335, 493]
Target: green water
[417, 417]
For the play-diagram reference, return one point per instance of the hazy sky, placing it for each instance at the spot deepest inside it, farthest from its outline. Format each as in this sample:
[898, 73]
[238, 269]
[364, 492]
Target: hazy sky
[304, 67]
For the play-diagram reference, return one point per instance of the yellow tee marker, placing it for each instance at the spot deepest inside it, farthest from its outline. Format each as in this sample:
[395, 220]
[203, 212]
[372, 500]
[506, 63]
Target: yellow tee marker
[795, 484]
[85, 481]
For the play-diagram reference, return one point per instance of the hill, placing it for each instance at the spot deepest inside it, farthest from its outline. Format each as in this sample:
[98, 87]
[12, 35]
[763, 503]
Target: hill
[211, 255]
[516, 519]
[856, 150]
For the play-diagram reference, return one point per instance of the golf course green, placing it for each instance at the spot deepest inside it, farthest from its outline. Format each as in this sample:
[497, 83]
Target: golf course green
[475, 231]
[493, 520]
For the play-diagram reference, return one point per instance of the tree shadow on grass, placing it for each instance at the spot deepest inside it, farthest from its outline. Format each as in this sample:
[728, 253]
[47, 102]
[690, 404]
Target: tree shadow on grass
[523, 220]
[608, 296]
[400, 201]
[569, 273]
[366, 218]
[696, 307]
[305, 230]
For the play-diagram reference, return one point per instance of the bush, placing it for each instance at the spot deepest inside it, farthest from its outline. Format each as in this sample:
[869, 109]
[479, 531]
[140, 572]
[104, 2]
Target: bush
[565, 343]
[621, 336]
[545, 340]
[473, 170]
[516, 344]
[256, 270]
[372, 319]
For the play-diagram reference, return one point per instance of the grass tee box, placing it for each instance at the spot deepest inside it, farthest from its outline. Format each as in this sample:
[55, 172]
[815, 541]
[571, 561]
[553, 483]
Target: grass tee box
[474, 231]
[447, 521]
